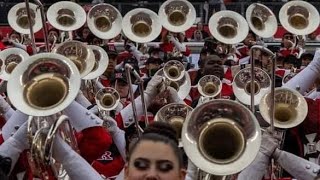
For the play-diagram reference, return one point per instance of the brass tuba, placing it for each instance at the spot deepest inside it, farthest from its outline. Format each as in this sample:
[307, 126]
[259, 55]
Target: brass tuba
[241, 85]
[228, 27]
[290, 108]
[66, 15]
[104, 21]
[221, 137]
[9, 59]
[175, 114]
[177, 15]
[299, 17]
[80, 54]
[141, 25]
[261, 20]
[18, 18]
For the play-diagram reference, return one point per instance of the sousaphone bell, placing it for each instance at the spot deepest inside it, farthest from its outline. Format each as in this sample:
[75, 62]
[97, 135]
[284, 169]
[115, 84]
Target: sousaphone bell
[19, 21]
[9, 59]
[174, 114]
[228, 27]
[221, 137]
[104, 21]
[66, 15]
[299, 17]
[290, 108]
[241, 85]
[261, 20]
[177, 15]
[79, 53]
[141, 25]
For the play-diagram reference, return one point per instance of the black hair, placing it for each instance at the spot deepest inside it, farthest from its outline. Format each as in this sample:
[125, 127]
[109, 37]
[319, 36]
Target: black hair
[308, 56]
[55, 30]
[162, 128]
[154, 137]
[291, 59]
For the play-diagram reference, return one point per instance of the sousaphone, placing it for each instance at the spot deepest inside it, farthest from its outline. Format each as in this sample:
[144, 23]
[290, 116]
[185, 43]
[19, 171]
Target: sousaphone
[290, 108]
[80, 54]
[209, 86]
[66, 15]
[174, 114]
[18, 18]
[221, 137]
[261, 20]
[141, 25]
[104, 21]
[228, 27]
[177, 15]
[9, 59]
[241, 85]
[44, 84]
[299, 17]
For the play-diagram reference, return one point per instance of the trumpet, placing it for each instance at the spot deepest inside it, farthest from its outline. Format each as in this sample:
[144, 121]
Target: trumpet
[175, 76]
[209, 87]
[107, 100]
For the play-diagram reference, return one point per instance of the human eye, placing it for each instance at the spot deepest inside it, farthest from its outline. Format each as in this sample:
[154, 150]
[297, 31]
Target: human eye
[141, 164]
[165, 166]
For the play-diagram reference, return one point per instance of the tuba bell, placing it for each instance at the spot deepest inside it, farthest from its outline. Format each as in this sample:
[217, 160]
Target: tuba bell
[79, 53]
[66, 16]
[19, 21]
[177, 15]
[104, 21]
[290, 108]
[241, 85]
[9, 59]
[174, 114]
[261, 20]
[141, 25]
[209, 86]
[299, 17]
[228, 27]
[221, 137]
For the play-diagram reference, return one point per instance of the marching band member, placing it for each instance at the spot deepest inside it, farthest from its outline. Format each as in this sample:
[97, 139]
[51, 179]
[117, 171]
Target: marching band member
[288, 45]
[108, 75]
[248, 42]
[172, 47]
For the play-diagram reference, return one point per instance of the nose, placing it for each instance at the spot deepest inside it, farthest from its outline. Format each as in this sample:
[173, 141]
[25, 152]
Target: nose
[152, 174]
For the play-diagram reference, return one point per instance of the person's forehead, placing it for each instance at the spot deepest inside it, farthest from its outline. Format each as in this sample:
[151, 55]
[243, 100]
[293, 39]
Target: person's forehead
[154, 151]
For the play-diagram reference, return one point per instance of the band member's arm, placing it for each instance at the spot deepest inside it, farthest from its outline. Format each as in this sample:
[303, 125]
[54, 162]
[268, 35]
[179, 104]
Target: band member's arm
[298, 167]
[81, 99]
[257, 169]
[75, 166]
[15, 144]
[180, 46]
[5, 108]
[191, 171]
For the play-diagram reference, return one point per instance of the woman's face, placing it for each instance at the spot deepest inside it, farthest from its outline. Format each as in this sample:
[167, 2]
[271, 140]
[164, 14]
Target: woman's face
[288, 41]
[85, 33]
[153, 160]
[15, 37]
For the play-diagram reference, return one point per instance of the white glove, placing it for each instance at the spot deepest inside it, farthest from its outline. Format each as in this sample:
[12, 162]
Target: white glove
[269, 142]
[181, 47]
[153, 86]
[174, 96]
[17, 143]
[75, 166]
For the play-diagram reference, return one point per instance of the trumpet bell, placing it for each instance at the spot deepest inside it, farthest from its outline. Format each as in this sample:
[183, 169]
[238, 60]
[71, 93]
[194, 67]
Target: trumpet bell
[221, 137]
[79, 53]
[177, 15]
[299, 17]
[104, 21]
[174, 114]
[261, 20]
[107, 99]
[101, 62]
[242, 85]
[141, 25]
[18, 18]
[228, 27]
[290, 108]
[44, 84]
[182, 86]
[209, 86]
[66, 16]
[173, 70]
[9, 59]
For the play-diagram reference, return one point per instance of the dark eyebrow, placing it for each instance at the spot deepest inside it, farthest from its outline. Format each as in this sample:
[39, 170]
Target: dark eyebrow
[164, 161]
[142, 159]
